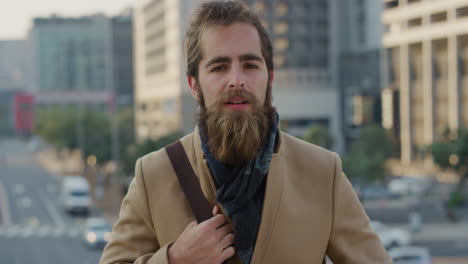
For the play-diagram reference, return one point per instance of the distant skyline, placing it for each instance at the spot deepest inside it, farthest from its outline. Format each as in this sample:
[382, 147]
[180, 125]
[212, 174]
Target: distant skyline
[16, 16]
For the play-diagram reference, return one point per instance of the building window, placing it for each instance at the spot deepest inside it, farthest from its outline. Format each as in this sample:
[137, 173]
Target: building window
[462, 12]
[281, 27]
[391, 4]
[439, 17]
[264, 23]
[281, 44]
[281, 9]
[259, 7]
[279, 60]
[415, 22]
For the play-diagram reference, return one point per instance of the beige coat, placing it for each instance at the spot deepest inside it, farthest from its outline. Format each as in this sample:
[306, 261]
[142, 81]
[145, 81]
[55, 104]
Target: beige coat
[310, 210]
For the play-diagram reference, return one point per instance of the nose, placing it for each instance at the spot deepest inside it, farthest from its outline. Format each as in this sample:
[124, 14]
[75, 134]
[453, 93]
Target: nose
[237, 78]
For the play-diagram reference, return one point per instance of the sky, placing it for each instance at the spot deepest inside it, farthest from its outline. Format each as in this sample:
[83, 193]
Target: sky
[16, 15]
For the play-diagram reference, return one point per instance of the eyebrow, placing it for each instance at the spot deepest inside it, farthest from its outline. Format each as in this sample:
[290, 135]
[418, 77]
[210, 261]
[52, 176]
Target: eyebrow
[245, 57]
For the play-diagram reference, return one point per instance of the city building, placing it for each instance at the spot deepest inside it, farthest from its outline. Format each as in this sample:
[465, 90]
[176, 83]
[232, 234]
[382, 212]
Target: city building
[13, 65]
[163, 102]
[360, 41]
[122, 54]
[305, 38]
[86, 60]
[426, 76]
[72, 60]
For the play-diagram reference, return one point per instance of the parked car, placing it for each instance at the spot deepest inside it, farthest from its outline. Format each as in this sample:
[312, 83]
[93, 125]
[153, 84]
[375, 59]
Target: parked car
[408, 185]
[97, 232]
[375, 192]
[75, 197]
[391, 237]
[410, 255]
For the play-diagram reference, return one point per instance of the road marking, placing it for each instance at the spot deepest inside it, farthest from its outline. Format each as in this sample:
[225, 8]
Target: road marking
[4, 206]
[52, 210]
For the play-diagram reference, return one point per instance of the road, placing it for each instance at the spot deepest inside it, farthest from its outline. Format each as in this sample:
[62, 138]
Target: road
[33, 228]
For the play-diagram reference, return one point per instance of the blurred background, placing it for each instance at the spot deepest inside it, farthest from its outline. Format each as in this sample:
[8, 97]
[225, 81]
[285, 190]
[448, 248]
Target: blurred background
[88, 87]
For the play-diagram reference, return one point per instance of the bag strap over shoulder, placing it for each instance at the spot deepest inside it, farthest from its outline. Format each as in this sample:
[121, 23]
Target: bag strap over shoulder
[189, 181]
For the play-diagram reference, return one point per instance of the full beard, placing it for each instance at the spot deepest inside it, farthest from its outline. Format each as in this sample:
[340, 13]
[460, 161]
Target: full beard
[236, 137]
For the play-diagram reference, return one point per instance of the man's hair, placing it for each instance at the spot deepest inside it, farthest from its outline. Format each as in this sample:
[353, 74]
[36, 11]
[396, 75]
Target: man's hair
[221, 13]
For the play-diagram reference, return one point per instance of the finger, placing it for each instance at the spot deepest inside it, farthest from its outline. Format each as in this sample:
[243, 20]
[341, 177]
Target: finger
[224, 230]
[215, 221]
[227, 253]
[227, 241]
[215, 210]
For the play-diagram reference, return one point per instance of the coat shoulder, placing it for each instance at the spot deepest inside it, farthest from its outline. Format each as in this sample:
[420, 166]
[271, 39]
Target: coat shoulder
[304, 152]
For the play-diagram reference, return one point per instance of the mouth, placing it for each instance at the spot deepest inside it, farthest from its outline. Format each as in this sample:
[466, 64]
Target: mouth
[237, 103]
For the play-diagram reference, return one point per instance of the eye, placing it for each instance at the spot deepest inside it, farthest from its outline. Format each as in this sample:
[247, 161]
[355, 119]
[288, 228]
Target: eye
[219, 68]
[250, 66]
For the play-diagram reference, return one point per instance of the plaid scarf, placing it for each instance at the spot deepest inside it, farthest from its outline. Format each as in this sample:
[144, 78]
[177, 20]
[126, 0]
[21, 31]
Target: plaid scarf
[241, 191]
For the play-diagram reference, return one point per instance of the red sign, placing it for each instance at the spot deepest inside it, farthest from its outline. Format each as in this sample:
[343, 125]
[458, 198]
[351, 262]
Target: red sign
[24, 112]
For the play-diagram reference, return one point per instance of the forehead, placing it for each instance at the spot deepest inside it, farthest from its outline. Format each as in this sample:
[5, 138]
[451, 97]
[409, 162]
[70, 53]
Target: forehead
[231, 41]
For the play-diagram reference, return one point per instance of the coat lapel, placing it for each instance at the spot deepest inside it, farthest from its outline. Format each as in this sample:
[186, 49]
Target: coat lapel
[273, 194]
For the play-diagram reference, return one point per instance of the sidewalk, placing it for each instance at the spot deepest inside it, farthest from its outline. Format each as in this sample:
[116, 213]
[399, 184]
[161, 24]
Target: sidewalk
[439, 231]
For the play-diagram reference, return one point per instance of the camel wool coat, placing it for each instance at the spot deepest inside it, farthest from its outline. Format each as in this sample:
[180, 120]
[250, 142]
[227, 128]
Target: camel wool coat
[310, 210]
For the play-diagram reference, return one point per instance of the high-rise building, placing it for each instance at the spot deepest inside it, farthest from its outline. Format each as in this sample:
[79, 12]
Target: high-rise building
[84, 60]
[426, 55]
[122, 55]
[163, 103]
[359, 64]
[304, 35]
[13, 65]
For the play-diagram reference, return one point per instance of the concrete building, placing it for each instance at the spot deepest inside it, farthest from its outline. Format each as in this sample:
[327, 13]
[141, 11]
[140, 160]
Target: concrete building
[72, 60]
[122, 54]
[305, 35]
[426, 54]
[13, 65]
[360, 44]
[163, 103]
[84, 60]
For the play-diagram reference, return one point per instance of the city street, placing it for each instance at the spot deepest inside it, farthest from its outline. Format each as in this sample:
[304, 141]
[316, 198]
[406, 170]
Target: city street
[33, 228]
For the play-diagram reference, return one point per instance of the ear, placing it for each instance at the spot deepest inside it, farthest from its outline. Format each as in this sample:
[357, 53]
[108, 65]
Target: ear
[192, 82]
[272, 77]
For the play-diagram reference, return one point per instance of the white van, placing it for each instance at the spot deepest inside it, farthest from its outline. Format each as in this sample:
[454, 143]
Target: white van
[75, 195]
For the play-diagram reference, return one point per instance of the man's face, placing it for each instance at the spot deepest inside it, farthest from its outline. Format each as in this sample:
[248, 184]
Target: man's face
[232, 60]
[231, 88]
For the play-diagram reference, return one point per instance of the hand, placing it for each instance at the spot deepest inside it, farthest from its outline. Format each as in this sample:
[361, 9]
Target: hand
[209, 242]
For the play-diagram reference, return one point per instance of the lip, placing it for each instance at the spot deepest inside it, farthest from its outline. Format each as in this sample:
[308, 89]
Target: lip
[243, 106]
[237, 106]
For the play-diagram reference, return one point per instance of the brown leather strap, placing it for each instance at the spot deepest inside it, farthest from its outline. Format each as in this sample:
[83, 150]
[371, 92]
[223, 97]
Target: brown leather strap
[189, 182]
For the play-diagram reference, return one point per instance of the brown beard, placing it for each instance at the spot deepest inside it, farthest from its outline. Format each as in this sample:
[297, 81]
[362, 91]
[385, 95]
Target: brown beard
[235, 137]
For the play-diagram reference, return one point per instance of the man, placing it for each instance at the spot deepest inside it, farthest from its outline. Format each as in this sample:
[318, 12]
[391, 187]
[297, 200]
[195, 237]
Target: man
[275, 199]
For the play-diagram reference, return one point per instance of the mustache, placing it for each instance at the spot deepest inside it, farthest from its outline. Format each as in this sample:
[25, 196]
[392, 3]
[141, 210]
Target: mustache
[225, 96]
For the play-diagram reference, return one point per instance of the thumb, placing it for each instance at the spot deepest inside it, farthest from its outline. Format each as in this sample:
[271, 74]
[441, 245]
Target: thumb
[215, 210]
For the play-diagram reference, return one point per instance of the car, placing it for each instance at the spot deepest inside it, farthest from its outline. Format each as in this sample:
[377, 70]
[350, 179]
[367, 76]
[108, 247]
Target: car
[409, 185]
[75, 196]
[391, 237]
[97, 232]
[410, 255]
[375, 192]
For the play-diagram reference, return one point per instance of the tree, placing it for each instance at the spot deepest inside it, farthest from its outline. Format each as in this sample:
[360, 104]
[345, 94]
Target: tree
[451, 153]
[365, 162]
[319, 135]
[149, 145]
